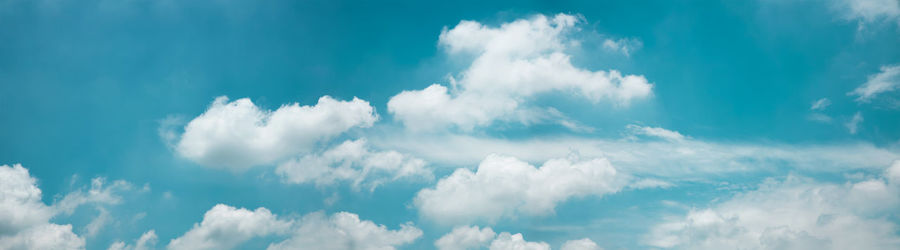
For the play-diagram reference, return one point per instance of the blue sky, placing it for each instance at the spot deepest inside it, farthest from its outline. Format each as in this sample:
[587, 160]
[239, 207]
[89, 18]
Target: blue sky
[459, 125]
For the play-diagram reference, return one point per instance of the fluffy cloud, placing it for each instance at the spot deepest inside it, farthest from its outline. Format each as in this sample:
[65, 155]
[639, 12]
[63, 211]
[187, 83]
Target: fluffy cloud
[796, 213]
[145, 242]
[512, 62]
[472, 237]
[225, 227]
[582, 244]
[24, 218]
[505, 186]
[885, 81]
[345, 231]
[507, 241]
[238, 134]
[353, 161]
[465, 237]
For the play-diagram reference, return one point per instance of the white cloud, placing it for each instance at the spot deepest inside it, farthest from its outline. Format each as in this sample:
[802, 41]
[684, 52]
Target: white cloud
[226, 227]
[511, 63]
[796, 213]
[24, 218]
[345, 231]
[885, 81]
[145, 242]
[582, 244]
[505, 187]
[507, 241]
[674, 160]
[465, 237]
[237, 135]
[868, 11]
[624, 45]
[353, 161]
[99, 193]
[655, 132]
[97, 223]
[820, 104]
[853, 124]
[473, 237]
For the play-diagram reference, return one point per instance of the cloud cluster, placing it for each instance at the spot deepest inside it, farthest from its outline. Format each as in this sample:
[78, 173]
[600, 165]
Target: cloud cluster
[226, 227]
[353, 161]
[25, 219]
[473, 237]
[504, 186]
[796, 213]
[237, 135]
[512, 62]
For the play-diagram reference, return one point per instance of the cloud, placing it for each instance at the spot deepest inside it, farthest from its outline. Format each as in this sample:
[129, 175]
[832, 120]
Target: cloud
[624, 45]
[853, 124]
[885, 81]
[507, 241]
[473, 237]
[820, 104]
[353, 161]
[582, 244]
[796, 213]
[671, 160]
[511, 63]
[504, 186]
[868, 11]
[24, 218]
[345, 231]
[237, 135]
[655, 132]
[226, 227]
[465, 237]
[145, 242]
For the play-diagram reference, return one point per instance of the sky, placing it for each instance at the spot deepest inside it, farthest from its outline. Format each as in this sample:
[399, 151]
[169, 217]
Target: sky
[568, 125]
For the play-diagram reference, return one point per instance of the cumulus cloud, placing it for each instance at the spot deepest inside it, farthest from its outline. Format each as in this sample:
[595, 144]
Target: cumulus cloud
[353, 161]
[473, 237]
[796, 213]
[504, 186]
[465, 237]
[582, 244]
[237, 135]
[145, 242]
[345, 231]
[225, 227]
[511, 63]
[887, 80]
[24, 218]
[507, 241]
